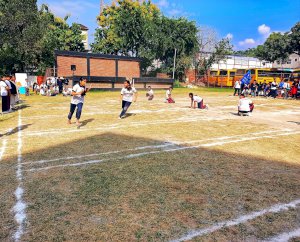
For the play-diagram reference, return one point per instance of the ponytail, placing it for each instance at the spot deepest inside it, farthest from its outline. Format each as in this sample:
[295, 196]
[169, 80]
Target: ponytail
[129, 85]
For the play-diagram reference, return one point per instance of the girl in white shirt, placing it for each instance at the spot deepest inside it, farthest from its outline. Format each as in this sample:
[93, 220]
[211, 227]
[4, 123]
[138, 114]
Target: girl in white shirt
[150, 94]
[128, 94]
[245, 105]
[197, 100]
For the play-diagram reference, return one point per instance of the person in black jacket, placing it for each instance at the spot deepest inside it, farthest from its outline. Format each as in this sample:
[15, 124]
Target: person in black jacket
[13, 91]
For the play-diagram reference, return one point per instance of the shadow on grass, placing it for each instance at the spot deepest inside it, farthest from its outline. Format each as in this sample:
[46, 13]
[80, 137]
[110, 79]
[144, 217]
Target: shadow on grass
[134, 195]
[298, 123]
[15, 130]
[85, 122]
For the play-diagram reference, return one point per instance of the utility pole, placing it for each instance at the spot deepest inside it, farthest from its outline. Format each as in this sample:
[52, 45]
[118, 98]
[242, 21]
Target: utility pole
[174, 63]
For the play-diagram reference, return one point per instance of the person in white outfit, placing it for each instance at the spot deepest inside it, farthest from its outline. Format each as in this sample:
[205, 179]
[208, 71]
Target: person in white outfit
[245, 106]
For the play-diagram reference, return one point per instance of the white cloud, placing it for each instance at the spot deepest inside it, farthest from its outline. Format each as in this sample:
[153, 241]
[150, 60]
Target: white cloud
[247, 43]
[264, 30]
[229, 36]
[174, 12]
[163, 3]
[74, 8]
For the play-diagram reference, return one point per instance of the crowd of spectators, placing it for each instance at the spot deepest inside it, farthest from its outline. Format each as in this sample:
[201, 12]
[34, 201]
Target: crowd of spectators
[269, 89]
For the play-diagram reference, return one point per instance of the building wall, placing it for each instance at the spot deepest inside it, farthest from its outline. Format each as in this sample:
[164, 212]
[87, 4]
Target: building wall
[102, 67]
[98, 67]
[129, 69]
[64, 66]
[293, 62]
[238, 62]
[86, 39]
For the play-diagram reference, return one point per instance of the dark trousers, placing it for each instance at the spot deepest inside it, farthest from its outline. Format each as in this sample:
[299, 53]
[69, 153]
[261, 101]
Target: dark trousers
[272, 93]
[72, 110]
[5, 103]
[237, 90]
[125, 106]
[201, 105]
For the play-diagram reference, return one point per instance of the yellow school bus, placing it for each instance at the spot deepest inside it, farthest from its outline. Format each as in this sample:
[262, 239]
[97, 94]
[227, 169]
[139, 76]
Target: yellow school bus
[295, 75]
[225, 78]
[270, 74]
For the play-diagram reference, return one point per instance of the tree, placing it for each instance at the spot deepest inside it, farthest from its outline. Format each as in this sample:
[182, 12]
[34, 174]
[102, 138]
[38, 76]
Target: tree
[128, 28]
[251, 52]
[28, 36]
[19, 34]
[57, 35]
[221, 49]
[275, 48]
[294, 39]
[135, 28]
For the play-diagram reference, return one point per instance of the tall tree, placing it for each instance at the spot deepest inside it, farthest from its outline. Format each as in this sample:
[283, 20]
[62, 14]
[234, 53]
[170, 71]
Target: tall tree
[57, 35]
[19, 34]
[294, 39]
[128, 28]
[137, 28]
[275, 48]
[221, 49]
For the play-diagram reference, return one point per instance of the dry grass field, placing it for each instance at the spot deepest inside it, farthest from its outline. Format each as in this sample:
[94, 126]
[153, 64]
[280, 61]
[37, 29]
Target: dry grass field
[164, 173]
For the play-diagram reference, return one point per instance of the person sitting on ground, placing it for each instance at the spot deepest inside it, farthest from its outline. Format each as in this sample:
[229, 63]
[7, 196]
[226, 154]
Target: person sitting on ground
[196, 100]
[169, 98]
[273, 89]
[294, 90]
[245, 106]
[42, 91]
[245, 91]
[150, 93]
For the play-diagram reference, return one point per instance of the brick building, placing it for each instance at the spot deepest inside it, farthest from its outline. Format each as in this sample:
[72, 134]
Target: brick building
[104, 71]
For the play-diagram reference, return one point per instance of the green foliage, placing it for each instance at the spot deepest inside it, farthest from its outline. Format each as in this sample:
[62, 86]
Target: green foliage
[294, 39]
[129, 28]
[251, 52]
[179, 34]
[279, 46]
[134, 28]
[19, 34]
[275, 48]
[28, 36]
[58, 35]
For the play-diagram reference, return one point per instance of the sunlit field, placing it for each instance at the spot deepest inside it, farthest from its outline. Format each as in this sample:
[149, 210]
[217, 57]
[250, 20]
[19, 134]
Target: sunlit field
[164, 173]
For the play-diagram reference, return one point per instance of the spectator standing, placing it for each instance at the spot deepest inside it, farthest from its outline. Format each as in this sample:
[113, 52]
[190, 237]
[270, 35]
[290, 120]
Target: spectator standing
[237, 88]
[253, 88]
[286, 88]
[4, 91]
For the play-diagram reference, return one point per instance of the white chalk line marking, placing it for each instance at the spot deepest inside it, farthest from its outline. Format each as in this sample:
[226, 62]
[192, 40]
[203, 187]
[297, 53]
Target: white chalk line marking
[284, 237]
[159, 151]
[3, 148]
[20, 206]
[96, 154]
[111, 127]
[163, 145]
[243, 219]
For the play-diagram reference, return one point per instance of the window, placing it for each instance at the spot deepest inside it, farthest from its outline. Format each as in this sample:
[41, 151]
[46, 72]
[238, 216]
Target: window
[289, 62]
[213, 73]
[296, 60]
[223, 73]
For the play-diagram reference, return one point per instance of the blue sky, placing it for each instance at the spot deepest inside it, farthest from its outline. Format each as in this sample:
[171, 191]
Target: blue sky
[247, 22]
